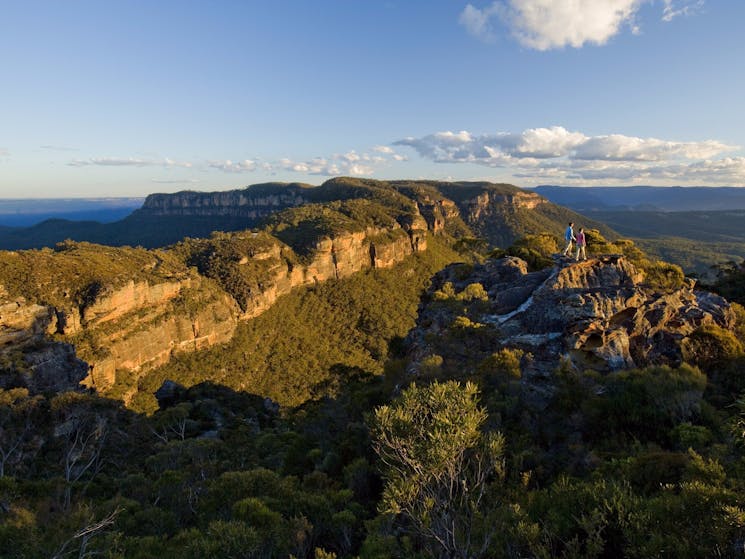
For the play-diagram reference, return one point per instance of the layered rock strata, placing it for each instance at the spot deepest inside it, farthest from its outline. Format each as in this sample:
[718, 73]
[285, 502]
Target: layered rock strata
[138, 325]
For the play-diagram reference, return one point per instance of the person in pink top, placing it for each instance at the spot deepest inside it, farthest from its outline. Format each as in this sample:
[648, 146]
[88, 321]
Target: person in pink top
[581, 243]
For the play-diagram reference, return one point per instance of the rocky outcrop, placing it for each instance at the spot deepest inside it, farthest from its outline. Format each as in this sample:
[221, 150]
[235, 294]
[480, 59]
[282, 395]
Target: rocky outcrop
[437, 212]
[598, 314]
[21, 321]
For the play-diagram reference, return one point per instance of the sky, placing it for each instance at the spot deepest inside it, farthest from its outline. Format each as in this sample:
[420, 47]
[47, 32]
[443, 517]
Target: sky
[125, 98]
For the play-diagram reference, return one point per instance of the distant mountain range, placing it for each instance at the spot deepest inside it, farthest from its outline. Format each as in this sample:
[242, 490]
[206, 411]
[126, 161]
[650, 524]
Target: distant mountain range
[27, 212]
[645, 198]
[499, 213]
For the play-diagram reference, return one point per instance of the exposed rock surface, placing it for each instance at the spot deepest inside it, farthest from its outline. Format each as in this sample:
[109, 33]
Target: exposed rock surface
[139, 324]
[137, 314]
[596, 314]
[254, 202]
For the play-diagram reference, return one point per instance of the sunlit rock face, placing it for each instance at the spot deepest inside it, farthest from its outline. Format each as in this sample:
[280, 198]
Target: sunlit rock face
[139, 324]
[598, 315]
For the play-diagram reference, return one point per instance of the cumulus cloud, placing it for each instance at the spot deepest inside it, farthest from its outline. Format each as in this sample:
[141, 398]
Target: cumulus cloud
[128, 162]
[556, 153]
[617, 147]
[495, 149]
[228, 166]
[548, 24]
[383, 149]
[350, 163]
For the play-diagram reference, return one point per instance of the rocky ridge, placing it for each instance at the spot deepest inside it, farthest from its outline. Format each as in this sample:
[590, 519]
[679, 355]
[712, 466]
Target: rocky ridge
[130, 312]
[137, 324]
[596, 315]
[253, 202]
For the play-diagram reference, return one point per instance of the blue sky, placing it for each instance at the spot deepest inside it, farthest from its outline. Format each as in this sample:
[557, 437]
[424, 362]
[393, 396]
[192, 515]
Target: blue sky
[123, 98]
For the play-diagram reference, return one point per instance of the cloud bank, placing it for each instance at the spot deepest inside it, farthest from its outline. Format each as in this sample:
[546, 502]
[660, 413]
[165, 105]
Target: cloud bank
[550, 24]
[349, 163]
[557, 154]
[128, 162]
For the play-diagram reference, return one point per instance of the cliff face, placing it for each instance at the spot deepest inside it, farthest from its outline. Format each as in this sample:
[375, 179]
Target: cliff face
[597, 314]
[250, 202]
[256, 277]
[131, 326]
[126, 310]
[490, 204]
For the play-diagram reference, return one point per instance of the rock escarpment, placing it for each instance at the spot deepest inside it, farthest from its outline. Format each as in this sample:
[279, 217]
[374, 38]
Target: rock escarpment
[134, 308]
[594, 315]
[254, 202]
[125, 310]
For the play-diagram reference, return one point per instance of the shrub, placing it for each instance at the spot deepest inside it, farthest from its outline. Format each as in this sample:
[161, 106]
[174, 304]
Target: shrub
[505, 362]
[648, 403]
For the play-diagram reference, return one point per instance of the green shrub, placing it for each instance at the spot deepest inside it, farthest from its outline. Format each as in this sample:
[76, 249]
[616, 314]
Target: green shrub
[505, 362]
[647, 403]
[473, 292]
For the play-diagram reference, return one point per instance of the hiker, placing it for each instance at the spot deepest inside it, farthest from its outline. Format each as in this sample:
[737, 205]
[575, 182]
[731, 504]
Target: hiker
[581, 243]
[568, 237]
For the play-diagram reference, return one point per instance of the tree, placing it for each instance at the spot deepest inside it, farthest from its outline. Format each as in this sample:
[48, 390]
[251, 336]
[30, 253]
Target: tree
[83, 430]
[16, 414]
[438, 465]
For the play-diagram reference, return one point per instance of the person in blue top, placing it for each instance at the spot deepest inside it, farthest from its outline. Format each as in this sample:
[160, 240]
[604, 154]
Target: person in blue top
[569, 237]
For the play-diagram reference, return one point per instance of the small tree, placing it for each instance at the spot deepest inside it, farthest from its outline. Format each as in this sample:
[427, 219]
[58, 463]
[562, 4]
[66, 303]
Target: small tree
[438, 465]
[16, 426]
[83, 430]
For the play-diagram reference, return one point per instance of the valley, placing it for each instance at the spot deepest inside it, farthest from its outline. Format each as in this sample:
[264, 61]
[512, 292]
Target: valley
[257, 392]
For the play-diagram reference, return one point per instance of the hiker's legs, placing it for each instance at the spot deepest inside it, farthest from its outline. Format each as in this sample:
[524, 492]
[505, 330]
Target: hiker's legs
[568, 249]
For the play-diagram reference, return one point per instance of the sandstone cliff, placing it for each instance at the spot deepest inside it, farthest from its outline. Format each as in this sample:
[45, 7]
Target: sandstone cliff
[126, 310]
[127, 322]
[253, 202]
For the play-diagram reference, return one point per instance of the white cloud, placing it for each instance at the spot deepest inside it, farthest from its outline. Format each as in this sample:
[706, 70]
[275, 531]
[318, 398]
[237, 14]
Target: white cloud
[360, 170]
[128, 162]
[351, 156]
[478, 22]
[556, 153]
[674, 9]
[4, 152]
[316, 166]
[229, 166]
[495, 149]
[547, 24]
[383, 149]
[617, 147]
[551, 24]
[350, 163]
